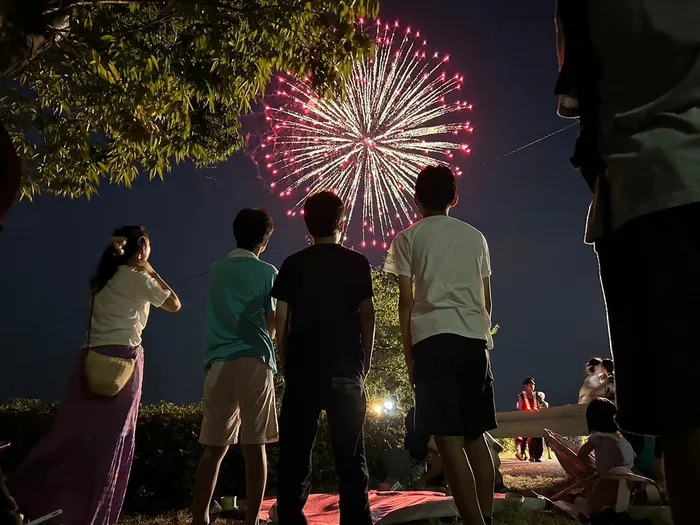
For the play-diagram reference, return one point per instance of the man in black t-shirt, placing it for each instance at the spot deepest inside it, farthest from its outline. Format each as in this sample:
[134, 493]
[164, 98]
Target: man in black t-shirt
[325, 334]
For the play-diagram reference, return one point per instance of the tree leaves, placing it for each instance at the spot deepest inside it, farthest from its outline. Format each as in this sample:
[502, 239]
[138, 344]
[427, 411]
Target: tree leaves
[389, 375]
[137, 88]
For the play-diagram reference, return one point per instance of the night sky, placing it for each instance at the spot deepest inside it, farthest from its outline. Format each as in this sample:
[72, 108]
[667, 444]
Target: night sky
[531, 206]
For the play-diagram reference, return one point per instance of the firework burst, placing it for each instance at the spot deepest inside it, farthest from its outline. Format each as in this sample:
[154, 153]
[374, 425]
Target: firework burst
[399, 114]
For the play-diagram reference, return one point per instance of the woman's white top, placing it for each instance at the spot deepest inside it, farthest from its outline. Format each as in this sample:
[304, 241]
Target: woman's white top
[120, 311]
[590, 386]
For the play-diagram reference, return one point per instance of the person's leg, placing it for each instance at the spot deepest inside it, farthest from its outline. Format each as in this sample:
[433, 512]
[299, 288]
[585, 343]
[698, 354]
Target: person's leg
[520, 446]
[479, 415]
[451, 375]
[536, 448]
[298, 425]
[652, 316]
[205, 481]
[346, 408]
[220, 425]
[255, 390]
[255, 458]
[460, 478]
[481, 462]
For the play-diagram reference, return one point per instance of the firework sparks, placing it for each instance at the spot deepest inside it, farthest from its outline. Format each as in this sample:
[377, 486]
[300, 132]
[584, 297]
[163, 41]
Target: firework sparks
[395, 118]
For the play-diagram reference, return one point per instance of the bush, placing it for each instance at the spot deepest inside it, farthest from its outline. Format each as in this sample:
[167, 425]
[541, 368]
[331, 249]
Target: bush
[167, 452]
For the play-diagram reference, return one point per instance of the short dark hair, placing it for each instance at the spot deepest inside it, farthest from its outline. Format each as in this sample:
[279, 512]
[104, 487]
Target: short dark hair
[608, 365]
[592, 363]
[436, 187]
[600, 416]
[252, 227]
[323, 213]
[529, 381]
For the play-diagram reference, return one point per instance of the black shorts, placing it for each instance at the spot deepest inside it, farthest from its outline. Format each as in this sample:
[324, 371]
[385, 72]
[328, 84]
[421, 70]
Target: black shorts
[650, 270]
[454, 386]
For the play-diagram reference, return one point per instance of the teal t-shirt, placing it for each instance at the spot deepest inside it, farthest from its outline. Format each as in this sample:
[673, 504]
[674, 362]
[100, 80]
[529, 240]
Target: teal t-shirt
[239, 299]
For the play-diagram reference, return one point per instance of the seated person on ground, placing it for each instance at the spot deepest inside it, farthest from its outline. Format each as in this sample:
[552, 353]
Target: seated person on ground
[417, 464]
[422, 449]
[611, 451]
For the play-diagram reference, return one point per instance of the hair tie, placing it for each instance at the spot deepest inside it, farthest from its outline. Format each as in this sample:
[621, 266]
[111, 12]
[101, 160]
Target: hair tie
[118, 243]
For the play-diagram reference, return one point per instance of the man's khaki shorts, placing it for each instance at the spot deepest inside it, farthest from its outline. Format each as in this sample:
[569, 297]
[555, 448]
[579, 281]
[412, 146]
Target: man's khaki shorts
[239, 396]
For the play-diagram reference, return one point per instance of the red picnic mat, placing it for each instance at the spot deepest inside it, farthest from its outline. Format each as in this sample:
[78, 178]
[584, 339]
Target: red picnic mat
[387, 507]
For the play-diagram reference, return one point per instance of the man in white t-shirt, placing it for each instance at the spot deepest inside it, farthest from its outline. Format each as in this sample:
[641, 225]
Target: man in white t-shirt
[446, 332]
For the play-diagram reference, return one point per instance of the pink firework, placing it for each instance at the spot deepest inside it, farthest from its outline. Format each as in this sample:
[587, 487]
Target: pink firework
[400, 112]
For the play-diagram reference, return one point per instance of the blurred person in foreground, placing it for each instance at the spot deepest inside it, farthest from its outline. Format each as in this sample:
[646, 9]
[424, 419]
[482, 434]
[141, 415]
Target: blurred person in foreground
[630, 71]
[325, 334]
[446, 332]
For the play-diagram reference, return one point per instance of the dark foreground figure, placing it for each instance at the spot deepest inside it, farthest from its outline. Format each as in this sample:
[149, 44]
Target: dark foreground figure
[631, 71]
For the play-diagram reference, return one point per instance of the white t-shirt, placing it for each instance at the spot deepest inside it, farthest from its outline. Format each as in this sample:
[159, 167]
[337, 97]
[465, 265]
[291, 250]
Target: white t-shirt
[448, 259]
[611, 451]
[121, 308]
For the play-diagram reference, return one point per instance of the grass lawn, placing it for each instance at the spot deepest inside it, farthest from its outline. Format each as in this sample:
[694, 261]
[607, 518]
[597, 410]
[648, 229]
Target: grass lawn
[544, 478]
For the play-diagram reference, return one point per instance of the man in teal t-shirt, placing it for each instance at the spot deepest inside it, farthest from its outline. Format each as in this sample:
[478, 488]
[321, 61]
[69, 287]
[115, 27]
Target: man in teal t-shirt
[239, 392]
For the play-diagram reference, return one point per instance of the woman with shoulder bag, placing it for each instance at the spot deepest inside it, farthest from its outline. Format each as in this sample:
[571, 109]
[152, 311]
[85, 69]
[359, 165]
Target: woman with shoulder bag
[83, 465]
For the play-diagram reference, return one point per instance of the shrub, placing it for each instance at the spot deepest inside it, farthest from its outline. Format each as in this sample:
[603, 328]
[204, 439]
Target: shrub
[167, 451]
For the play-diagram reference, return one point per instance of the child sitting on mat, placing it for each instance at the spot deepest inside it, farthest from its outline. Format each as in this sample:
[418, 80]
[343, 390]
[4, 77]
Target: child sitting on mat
[611, 451]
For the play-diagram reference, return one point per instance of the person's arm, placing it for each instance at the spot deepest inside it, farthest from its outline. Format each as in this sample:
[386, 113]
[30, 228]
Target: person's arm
[586, 449]
[435, 468]
[519, 403]
[398, 262]
[487, 295]
[270, 307]
[282, 330]
[172, 304]
[271, 324]
[486, 276]
[283, 292]
[367, 325]
[432, 447]
[406, 302]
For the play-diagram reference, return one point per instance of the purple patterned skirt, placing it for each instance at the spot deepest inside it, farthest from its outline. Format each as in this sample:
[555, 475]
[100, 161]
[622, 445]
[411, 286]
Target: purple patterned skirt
[83, 465]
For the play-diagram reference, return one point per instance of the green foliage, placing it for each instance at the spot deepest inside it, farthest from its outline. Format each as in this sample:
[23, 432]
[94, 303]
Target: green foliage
[389, 374]
[124, 88]
[167, 452]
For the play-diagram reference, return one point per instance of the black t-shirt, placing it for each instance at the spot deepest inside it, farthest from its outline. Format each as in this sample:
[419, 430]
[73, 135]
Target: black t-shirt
[324, 286]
